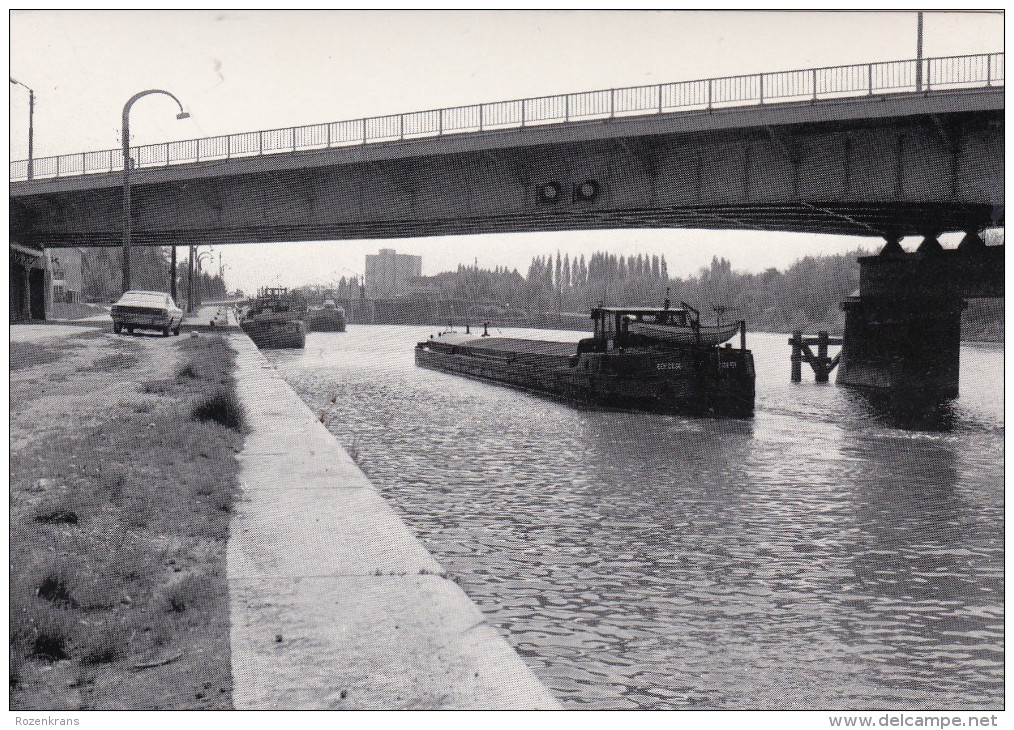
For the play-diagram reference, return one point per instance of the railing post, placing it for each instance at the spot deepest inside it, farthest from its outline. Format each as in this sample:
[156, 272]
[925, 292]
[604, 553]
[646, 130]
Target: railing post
[197, 150]
[814, 82]
[167, 154]
[989, 69]
[401, 126]
[929, 68]
[522, 112]
[612, 103]
[709, 93]
[293, 139]
[869, 78]
[329, 135]
[760, 78]
[440, 116]
[83, 170]
[228, 146]
[58, 165]
[260, 143]
[110, 160]
[364, 130]
[566, 107]
[660, 98]
[522, 115]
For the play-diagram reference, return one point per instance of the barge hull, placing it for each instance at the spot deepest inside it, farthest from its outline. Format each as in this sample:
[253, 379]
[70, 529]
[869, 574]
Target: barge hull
[716, 382]
[276, 334]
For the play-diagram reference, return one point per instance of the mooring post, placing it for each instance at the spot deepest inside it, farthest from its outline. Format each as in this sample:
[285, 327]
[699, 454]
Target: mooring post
[820, 371]
[797, 356]
[742, 334]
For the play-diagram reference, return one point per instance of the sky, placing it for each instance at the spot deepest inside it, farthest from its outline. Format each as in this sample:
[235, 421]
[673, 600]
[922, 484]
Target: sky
[239, 71]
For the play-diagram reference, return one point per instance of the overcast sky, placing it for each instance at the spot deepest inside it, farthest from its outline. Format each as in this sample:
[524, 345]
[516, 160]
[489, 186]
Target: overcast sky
[239, 71]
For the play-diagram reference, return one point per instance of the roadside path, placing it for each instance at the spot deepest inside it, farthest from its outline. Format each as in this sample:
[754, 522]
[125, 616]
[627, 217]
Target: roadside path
[334, 603]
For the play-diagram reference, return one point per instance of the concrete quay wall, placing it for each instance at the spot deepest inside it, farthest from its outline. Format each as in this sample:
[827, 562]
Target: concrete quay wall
[334, 603]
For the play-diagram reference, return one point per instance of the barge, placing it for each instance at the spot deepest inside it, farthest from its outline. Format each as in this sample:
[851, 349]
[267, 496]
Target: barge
[655, 359]
[328, 318]
[274, 320]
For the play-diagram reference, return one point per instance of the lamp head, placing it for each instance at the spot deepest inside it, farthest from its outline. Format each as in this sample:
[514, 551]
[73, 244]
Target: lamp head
[183, 115]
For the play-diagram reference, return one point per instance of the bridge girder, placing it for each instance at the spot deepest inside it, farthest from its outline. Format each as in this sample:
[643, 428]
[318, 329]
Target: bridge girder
[868, 174]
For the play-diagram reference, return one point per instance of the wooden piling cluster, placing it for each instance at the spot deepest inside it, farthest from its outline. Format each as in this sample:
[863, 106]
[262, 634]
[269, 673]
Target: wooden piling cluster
[822, 364]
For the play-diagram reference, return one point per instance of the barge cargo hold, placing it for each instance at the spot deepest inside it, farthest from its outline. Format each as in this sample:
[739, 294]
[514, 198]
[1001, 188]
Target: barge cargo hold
[619, 367]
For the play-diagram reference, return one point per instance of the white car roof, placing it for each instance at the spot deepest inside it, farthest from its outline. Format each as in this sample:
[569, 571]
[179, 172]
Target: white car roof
[144, 296]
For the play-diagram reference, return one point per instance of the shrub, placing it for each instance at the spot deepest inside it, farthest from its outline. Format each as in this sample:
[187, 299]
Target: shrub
[223, 408]
[51, 643]
[184, 591]
[118, 360]
[16, 668]
[101, 644]
[157, 387]
[40, 630]
[55, 514]
[54, 588]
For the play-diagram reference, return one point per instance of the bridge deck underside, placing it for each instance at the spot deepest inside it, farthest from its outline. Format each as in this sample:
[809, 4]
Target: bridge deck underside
[908, 174]
[802, 217]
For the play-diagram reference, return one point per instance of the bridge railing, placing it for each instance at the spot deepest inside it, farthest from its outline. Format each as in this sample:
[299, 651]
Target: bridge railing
[869, 79]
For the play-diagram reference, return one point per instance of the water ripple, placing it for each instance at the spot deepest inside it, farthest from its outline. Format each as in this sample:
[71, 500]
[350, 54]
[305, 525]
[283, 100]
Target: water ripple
[818, 556]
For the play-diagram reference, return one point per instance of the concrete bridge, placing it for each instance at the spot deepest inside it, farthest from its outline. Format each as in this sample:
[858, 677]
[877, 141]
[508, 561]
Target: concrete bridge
[885, 149]
[850, 150]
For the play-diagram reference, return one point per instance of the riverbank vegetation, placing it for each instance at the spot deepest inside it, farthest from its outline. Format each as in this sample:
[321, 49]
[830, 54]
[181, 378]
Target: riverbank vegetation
[806, 296]
[102, 267]
[123, 479]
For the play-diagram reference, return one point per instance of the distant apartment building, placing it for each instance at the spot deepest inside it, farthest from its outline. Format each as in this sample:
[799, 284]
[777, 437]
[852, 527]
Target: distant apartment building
[388, 274]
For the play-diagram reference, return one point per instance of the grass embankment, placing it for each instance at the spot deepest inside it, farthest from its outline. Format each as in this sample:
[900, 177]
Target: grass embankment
[29, 355]
[119, 524]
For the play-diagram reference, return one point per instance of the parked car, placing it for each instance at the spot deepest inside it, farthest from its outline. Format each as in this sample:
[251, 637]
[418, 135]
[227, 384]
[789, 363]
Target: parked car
[147, 310]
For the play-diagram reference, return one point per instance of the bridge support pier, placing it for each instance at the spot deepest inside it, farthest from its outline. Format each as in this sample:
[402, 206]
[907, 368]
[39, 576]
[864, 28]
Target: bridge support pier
[909, 347]
[903, 328]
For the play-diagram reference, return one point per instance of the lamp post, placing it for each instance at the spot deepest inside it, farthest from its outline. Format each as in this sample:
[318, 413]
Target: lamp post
[126, 174]
[200, 258]
[31, 125]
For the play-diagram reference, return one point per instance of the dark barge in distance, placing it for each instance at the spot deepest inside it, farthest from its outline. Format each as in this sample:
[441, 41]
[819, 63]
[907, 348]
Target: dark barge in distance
[274, 320]
[655, 359]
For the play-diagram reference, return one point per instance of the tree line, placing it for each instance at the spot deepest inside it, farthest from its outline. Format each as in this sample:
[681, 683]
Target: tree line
[149, 270]
[805, 296]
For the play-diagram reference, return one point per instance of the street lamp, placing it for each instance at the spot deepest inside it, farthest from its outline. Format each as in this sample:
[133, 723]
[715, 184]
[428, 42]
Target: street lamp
[31, 124]
[200, 258]
[126, 174]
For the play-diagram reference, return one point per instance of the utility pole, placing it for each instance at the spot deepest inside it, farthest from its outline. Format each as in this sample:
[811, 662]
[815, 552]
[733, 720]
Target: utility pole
[172, 273]
[918, 54]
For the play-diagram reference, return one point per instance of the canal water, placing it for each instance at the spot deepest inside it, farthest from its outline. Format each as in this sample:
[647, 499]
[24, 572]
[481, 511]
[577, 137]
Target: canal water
[829, 553]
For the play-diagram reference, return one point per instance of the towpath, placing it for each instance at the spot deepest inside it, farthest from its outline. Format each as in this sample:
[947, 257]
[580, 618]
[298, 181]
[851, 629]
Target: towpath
[334, 603]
